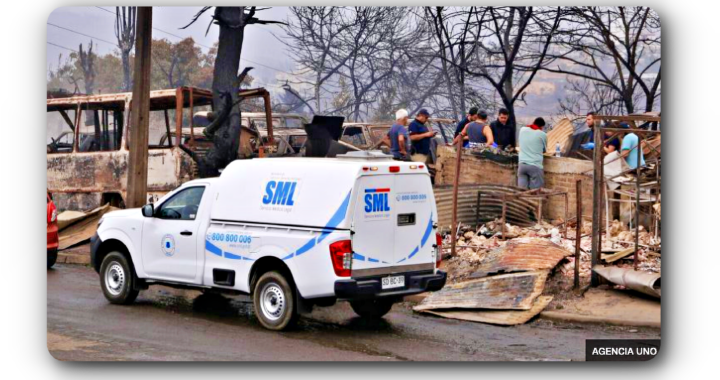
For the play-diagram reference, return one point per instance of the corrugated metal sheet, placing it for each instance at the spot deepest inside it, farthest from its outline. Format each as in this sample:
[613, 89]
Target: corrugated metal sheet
[521, 212]
[521, 255]
[496, 317]
[516, 291]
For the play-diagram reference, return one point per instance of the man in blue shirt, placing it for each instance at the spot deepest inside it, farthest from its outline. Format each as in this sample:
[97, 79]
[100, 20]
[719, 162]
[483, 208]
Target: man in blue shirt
[399, 138]
[629, 150]
[420, 136]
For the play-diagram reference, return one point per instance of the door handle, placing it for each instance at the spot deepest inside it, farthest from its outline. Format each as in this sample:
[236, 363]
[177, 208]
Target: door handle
[186, 233]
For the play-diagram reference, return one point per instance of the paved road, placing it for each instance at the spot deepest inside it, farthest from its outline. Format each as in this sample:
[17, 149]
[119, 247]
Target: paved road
[169, 324]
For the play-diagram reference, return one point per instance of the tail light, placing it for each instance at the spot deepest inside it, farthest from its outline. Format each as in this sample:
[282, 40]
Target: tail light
[394, 169]
[52, 213]
[438, 250]
[341, 255]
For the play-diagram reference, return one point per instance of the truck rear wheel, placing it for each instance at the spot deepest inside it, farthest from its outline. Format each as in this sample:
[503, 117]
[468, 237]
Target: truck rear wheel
[372, 308]
[116, 279]
[274, 301]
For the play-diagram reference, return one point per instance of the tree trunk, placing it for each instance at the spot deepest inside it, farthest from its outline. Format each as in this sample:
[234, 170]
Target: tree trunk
[127, 81]
[225, 81]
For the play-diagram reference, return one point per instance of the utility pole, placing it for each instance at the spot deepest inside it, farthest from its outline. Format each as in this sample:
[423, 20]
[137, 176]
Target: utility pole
[598, 186]
[140, 112]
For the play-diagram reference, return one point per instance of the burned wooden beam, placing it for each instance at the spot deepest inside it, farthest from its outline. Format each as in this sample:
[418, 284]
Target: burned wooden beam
[515, 291]
[521, 255]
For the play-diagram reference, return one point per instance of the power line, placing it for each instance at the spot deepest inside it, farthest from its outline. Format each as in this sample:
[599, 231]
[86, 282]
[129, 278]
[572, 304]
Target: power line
[62, 47]
[82, 34]
[158, 29]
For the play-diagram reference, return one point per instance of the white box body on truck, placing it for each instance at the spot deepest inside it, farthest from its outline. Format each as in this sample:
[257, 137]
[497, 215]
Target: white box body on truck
[291, 232]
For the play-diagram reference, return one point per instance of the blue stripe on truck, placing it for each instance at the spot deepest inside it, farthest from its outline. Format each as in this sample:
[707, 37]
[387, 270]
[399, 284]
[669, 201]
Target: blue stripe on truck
[334, 221]
[423, 241]
[215, 250]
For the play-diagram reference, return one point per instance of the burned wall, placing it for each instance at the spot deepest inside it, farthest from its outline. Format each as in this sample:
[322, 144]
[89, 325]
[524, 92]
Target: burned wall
[561, 173]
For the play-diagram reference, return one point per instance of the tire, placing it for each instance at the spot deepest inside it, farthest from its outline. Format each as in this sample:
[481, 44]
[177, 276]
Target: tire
[372, 308]
[274, 302]
[116, 279]
[51, 258]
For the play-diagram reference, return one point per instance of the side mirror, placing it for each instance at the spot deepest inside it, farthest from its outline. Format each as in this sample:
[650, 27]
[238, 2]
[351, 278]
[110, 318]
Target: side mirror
[148, 210]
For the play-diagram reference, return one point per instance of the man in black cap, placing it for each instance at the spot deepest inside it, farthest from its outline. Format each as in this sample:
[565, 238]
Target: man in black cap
[420, 136]
[471, 116]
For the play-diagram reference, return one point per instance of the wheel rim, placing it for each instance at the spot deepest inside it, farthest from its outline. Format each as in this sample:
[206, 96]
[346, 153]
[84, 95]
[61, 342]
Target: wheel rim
[272, 301]
[115, 279]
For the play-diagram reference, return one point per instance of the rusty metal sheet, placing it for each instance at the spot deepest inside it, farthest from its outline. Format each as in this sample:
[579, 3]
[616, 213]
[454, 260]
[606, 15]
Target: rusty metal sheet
[496, 317]
[520, 212]
[521, 255]
[516, 291]
[643, 282]
[83, 228]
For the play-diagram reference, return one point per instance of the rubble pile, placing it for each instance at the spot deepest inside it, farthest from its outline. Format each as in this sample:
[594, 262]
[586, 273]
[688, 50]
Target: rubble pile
[473, 245]
[509, 281]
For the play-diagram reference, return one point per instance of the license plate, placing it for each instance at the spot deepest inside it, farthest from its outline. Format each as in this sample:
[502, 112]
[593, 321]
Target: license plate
[393, 282]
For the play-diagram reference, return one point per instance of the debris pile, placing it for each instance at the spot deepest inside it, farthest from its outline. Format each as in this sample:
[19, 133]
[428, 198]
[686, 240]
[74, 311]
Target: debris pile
[617, 246]
[505, 288]
[502, 281]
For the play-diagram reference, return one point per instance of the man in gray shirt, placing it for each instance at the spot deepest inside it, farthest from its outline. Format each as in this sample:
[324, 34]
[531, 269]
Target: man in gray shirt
[533, 143]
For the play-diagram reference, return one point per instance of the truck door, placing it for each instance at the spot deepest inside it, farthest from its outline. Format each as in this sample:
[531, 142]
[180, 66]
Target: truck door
[414, 233]
[169, 239]
[373, 222]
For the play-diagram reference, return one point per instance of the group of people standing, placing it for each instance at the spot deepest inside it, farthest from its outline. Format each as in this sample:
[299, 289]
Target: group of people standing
[626, 144]
[475, 129]
[414, 142]
[532, 142]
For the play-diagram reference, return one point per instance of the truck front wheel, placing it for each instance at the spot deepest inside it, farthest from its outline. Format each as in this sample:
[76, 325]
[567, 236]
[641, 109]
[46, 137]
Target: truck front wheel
[116, 279]
[274, 302]
[372, 308]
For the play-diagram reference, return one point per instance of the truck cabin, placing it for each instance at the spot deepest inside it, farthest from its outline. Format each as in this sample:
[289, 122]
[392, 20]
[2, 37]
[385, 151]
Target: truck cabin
[87, 143]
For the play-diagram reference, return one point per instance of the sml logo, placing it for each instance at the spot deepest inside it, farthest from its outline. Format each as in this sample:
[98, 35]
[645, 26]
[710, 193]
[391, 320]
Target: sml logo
[280, 193]
[376, 200]
[167, 245]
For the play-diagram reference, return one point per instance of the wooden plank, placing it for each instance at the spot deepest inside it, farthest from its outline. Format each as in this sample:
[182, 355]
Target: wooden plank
[496, 317]
[82, 229]
[561, 133]
[516, 291]
[618, 255]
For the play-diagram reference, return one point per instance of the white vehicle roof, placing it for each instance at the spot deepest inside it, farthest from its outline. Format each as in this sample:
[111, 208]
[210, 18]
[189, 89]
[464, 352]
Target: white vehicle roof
[309, 192]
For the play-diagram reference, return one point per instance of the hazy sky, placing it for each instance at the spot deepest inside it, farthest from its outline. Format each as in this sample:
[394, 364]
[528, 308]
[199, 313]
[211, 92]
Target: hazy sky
[259, 46]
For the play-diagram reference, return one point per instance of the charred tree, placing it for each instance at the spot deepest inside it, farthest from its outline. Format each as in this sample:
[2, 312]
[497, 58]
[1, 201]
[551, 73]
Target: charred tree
[125, 18]
[226, 130]
[617, 48]
[87, 64]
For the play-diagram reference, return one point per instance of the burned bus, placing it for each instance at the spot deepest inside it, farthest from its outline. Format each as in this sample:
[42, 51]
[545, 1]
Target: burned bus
[87, 143]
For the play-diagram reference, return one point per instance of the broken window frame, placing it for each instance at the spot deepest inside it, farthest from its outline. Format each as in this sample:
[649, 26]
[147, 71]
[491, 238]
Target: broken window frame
[86, 106]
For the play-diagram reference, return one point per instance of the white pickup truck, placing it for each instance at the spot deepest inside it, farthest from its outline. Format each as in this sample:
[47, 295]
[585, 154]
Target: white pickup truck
[290, 232]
